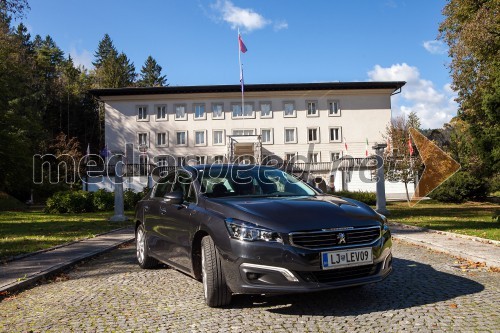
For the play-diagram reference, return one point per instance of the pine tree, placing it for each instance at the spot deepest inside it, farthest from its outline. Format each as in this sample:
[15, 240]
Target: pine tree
[151, 74]
[104, 50]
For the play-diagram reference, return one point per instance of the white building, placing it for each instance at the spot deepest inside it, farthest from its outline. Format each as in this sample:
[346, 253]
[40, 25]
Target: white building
[306, 123]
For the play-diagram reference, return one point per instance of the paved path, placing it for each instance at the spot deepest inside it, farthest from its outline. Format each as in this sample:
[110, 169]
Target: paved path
[427, 292]
[24, 272]
[467, 247]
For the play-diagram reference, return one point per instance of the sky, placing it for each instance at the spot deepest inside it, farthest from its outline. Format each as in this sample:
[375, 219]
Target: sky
[288, 41]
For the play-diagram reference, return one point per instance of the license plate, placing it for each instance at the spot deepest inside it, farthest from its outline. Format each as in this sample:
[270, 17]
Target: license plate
[344, 258]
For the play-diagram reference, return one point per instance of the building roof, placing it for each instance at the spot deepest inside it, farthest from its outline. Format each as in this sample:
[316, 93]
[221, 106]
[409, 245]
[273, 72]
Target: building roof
[395, 85]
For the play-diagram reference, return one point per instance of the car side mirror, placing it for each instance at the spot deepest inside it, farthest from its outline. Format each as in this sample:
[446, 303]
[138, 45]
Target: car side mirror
[174, 198]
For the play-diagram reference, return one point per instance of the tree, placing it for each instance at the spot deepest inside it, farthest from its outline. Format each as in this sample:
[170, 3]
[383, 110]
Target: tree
[16, 8]
[471, 29]
[112, 69]
[104, 49]
[401, 165]
[151, 74]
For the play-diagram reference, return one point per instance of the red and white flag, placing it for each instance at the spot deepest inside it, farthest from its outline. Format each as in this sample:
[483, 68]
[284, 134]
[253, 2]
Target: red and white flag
[345, 144]
[410, 145]
[243, 48]
[366, 148]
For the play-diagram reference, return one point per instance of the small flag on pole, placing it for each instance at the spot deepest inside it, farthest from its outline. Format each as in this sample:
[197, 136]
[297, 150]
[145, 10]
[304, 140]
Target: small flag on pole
[366, 148]
[243, 48]
[410, 145]
[345, 144]
[87, 156]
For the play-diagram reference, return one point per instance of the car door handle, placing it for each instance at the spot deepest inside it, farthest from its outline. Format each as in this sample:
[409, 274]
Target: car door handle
[146, 208]
[163, 210]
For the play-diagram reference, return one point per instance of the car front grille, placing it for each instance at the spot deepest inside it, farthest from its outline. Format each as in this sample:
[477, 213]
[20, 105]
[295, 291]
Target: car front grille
[325, 239]
[339, 274]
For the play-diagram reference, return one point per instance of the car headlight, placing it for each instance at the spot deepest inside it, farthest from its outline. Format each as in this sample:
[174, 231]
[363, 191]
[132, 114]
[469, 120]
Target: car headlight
[383, 218]
[250, 232]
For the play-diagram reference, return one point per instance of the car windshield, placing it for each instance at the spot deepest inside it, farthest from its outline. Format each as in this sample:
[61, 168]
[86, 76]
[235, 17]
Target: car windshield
[250, 181]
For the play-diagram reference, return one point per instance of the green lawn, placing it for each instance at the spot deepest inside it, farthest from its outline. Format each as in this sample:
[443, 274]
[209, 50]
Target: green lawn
[29, 231]
[471, 218]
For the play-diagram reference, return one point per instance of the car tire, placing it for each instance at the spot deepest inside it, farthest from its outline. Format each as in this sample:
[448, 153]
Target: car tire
[215, 289]
[141, 245]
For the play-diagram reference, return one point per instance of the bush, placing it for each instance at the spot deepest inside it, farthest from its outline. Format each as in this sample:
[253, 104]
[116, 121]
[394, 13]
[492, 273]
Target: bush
[103, 200]
[70, 202]
[130, 199]
[461, 187]
[369, 198]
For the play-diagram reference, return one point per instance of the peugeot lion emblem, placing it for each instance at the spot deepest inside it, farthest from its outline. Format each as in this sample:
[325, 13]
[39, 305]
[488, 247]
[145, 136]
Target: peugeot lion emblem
[341, 238]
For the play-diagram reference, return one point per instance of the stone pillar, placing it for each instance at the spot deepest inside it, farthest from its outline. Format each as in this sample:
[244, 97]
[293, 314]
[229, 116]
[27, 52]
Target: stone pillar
[119, 206]
[379, 151]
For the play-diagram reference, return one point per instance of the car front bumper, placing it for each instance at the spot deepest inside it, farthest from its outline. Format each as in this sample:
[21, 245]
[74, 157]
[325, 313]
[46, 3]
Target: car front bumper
[274, 268]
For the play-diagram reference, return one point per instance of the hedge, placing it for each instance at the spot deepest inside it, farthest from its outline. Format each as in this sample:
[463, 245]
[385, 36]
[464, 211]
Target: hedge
[82, 201]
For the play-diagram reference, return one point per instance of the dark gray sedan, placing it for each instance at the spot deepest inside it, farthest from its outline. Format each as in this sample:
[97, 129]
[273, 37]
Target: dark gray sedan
[251, 229]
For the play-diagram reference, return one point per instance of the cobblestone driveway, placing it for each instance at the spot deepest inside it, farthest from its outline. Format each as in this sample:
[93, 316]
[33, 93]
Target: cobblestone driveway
[426, 293]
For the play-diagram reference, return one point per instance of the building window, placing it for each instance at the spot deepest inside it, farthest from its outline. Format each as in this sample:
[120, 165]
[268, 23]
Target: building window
[334, 156]
[246, 113]
[333, 109]
[335, 134]
[218, 159]
[312, 110]
[142, 113]
[161, 112]
[200, 159]
[142, 139]
[199, 111]
[161, 139]
[217, 111]
[290, 135]
[243, 132]
[199, 138]
[290, 157]
[181, 160]
[313, 157]
[289, 109]
[180, 112]
[218, 138]
[313, 135]
[266, 135]
[181, 138]
[162, 161]
[265, 110]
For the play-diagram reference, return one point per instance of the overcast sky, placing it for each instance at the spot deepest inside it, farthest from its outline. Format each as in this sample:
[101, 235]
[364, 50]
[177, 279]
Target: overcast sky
[288, 42]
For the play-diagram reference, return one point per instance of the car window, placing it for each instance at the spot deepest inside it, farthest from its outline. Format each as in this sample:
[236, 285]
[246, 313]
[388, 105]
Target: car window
[256, 181]
[164, 186]
[184, 184]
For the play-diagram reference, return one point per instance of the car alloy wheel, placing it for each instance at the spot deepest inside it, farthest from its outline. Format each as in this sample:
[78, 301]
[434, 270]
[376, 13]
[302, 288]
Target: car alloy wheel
[140, 245]
[145, 261]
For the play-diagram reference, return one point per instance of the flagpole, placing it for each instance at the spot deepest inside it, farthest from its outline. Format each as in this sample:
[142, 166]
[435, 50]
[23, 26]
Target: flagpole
[241, 76]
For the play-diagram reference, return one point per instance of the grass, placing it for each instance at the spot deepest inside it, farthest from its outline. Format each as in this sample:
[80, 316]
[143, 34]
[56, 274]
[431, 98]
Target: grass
[471, 218]
[29, 231]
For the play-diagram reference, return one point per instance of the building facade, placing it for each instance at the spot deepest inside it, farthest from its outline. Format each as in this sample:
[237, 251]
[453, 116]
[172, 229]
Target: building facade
[310, 123]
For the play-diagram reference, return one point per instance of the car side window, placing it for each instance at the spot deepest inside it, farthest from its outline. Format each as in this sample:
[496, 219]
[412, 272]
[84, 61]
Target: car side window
[164, 186]
[184, 184]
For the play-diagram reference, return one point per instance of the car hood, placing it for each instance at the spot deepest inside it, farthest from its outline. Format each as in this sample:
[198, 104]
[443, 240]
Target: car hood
[287, 214]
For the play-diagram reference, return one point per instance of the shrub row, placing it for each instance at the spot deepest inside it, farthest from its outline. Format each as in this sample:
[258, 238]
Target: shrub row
[461, 187]
[82, 201]
[369, 198]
